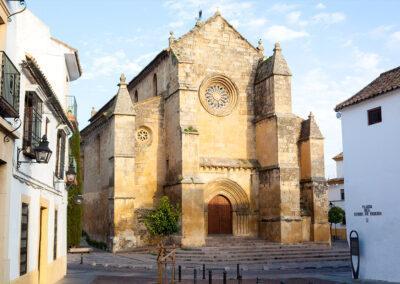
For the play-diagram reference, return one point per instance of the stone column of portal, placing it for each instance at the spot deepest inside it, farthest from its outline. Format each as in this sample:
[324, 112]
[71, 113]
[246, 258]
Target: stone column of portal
[277, 152]
[314, 190]
[193, 226]
[123, 167]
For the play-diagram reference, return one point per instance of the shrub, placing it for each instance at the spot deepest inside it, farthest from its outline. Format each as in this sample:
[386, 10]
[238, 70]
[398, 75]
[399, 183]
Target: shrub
[336, 215]
[74, 211]
[164, 220]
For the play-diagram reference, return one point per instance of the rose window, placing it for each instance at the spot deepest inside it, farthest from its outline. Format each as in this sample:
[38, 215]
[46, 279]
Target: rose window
[143, 135]
[218, 95]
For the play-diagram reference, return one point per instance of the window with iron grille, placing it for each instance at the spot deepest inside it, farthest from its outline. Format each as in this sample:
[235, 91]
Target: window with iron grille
[374, 115]
[60, 163]
[23, 254]
[9, 90]
[32, 122]
[55, 234]
[342, 194]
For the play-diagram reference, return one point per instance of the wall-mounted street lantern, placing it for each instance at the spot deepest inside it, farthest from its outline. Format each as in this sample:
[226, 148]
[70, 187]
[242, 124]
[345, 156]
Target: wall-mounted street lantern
[42, 153]
[22, 3]
[71, 174]
[78, 199]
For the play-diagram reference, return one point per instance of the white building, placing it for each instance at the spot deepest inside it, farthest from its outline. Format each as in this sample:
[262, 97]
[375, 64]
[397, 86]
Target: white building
[37, 196]
[371, 147]
[336, 195]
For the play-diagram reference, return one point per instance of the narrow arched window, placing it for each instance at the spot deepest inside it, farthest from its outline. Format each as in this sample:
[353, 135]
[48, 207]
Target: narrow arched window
[155, 84]
[136, 97]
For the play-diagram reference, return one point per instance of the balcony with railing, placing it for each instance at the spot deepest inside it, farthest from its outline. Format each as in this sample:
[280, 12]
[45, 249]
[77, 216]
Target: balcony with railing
[72, 109]
[9, 87]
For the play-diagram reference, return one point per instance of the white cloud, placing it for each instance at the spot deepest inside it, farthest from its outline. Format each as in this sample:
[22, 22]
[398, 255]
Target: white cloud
[238, 12]
[380, 31]
[320, 6]
[329, 18]
[176, 24]
[366, 60]
[256, 23]
[283, 7]
[283, 33]
[394, 40]
[293, 18]
[106, 64]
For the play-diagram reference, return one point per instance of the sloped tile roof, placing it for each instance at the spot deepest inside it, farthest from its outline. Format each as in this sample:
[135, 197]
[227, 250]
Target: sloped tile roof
[386, 82]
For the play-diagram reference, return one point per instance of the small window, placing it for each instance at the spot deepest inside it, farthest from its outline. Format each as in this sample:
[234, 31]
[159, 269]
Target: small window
[55, 234]
[374, 115]
[60, 162]
[342, 194]
[23, 252]
[155, 85]
[136, 97]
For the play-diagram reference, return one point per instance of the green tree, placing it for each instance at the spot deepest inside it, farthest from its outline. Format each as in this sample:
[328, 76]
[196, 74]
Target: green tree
[164, 220]
[336, 215]
[74, 211]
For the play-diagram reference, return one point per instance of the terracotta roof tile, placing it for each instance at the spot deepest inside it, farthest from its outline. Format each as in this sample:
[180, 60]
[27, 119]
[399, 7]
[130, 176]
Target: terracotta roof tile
[386, 82]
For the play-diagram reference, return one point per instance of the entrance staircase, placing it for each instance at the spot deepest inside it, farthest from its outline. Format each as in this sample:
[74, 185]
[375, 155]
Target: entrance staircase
[223, 252]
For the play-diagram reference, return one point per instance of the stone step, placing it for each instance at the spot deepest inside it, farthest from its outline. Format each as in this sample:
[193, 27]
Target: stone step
[261, 256]
[261, 252]
[277, 256]
[321, 262]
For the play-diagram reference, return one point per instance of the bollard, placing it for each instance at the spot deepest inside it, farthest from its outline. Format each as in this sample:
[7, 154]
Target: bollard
[204, 271]
[210, 276]
[240, 279]
[81, 258]
[224, 277]
[179, 273]
[195, 275]
[237, 271]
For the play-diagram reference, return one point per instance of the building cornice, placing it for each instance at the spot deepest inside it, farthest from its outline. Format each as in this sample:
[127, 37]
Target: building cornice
[32, 66]
[4, 7]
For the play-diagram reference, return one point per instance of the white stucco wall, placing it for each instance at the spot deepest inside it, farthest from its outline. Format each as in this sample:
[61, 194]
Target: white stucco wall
[339, 169]
[371, 175]
[27, 34]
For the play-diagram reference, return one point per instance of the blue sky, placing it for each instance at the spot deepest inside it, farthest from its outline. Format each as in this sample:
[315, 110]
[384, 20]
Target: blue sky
[333, 48]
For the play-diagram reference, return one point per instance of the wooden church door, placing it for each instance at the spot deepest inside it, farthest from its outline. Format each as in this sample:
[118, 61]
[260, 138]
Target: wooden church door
[219, 216]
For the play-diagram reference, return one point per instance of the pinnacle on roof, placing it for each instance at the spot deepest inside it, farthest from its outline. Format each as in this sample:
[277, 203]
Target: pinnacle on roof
[310, 129]
[123, 103]
[274, 65]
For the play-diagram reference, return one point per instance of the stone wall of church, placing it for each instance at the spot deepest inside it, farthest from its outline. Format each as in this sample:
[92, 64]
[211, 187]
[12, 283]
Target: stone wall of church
[150, 162]
[223, 145]
[97, 149]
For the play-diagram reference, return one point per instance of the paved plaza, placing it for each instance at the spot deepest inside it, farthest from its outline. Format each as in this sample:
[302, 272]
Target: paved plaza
[259, 262]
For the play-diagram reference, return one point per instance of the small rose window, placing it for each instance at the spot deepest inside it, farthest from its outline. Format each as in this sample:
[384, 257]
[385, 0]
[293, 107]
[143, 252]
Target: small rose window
[143, 135]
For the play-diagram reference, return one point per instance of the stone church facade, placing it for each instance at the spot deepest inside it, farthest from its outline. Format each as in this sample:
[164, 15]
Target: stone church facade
[208, 123]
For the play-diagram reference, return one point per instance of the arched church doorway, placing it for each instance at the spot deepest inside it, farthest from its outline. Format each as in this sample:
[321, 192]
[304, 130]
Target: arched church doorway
[219, 216]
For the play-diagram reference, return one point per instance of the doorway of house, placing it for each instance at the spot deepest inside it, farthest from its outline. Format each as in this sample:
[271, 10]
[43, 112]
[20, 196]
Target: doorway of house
[219, 216]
